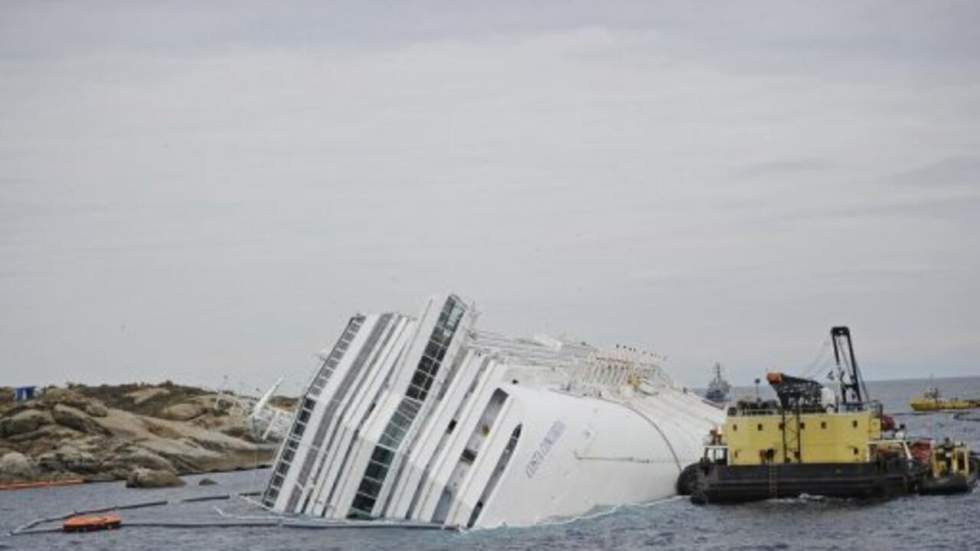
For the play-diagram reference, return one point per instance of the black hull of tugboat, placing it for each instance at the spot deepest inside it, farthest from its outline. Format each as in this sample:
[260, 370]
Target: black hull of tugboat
[956, 484]
[740, 484]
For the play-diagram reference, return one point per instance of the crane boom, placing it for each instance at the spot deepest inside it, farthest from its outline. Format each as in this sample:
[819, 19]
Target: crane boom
[852, 389]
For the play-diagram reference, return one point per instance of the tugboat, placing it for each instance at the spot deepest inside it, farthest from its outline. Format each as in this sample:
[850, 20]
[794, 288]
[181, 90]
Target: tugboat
[931, 400]
[952, 469]
[815, 441]
[718, 388]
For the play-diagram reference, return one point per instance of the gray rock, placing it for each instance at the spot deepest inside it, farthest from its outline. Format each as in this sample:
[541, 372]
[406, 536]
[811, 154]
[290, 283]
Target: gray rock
[134, 457]
[207, 482]
[77, 419]
[17, 466]
[49, 433]
[146, 478]
[96, 409]
[71, 398]
[65, 396]
[23, 421]
[69, 458]
[184, 412]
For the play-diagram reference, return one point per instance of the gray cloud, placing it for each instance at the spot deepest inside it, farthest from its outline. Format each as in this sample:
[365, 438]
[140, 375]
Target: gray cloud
[782, 168]
[230, 184]
[962, 208]
[961, 172]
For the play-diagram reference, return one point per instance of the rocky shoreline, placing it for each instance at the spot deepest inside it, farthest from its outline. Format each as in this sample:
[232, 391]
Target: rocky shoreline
[148, 435]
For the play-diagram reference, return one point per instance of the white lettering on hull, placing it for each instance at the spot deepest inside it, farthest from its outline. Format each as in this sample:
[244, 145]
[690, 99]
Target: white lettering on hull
[554, 433]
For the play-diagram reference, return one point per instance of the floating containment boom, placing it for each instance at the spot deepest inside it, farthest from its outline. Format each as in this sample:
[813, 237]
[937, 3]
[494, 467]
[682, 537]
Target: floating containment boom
[429, 419]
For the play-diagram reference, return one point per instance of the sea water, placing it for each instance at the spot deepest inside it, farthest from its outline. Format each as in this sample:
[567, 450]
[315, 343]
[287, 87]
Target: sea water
[917, 522]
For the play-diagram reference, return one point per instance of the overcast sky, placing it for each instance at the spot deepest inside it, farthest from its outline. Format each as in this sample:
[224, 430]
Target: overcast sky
[196, 193]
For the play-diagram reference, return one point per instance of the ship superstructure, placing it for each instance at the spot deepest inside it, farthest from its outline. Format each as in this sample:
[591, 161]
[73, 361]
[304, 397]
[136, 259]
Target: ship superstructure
[718, 388]
[430, 419]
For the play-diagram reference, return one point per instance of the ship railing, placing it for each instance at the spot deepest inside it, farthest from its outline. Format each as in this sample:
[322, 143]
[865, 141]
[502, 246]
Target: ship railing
[900, 443]
[755, 413]
[871, 405]
[750, 409]
[525, 351]
[600, 374]
[588, 369]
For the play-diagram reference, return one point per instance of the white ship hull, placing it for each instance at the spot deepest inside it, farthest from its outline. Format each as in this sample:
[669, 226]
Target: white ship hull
[430, 420]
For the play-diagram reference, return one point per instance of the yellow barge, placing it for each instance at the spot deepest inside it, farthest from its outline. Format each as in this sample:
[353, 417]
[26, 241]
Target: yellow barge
[818, 442]
[931, 400]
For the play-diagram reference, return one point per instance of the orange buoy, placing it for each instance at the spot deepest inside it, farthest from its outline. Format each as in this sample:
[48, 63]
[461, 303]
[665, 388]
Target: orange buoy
[91, 524]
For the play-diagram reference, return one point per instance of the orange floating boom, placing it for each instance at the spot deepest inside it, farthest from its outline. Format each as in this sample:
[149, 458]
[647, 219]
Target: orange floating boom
[41, 484]
[93, 523]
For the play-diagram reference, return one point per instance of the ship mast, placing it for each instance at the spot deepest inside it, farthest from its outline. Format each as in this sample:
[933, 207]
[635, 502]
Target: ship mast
[852, 389]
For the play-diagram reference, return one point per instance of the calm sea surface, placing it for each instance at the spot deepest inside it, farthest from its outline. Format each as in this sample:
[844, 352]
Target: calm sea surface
[906, 523]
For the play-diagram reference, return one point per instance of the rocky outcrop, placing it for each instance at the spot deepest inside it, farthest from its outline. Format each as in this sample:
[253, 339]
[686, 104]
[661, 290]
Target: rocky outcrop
[73, 418]
[23, 422]
[46, 437]
[185, 411]
[141, 395]
[71, 459]
[148, 478]
[16, 466]
[108, 433]
[95, 409]
[130, 457]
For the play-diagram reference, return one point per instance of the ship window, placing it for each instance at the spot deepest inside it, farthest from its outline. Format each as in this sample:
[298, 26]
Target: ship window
[375, 470]
[854, 423]
[802, 426]
[782, 426]
[382, 455]
[734, 428]
[369, 487]
[760, 426]
[855, 451]
[414, 392]
[362, 505]
[823, 424]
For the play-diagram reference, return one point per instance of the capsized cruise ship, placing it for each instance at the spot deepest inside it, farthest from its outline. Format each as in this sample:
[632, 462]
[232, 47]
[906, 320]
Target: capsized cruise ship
[430, 419]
